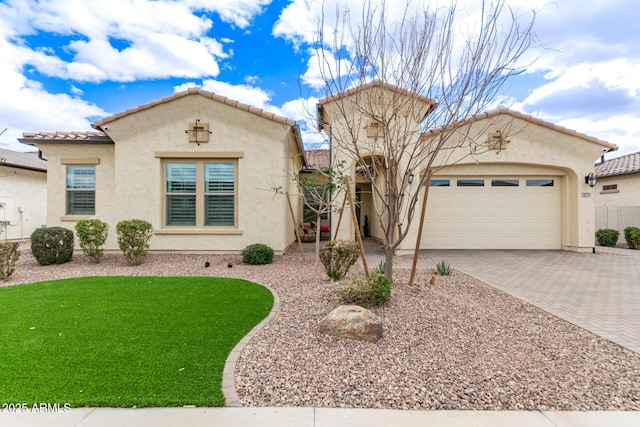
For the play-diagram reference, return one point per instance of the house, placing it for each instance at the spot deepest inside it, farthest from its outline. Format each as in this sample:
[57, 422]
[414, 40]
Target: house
[617, 193]
[201, 168]
[23, 194]
[525, 188]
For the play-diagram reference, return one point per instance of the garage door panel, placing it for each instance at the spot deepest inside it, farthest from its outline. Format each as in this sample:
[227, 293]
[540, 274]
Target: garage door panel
[493, 217]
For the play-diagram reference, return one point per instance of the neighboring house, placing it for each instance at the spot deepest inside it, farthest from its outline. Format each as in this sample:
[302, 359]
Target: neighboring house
[201, 168]
[617, 193]
[527, 192]
[23, 194]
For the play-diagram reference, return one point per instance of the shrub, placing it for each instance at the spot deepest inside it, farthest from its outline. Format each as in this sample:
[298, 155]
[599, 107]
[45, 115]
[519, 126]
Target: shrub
[607, 237]
[338, 256]
[133, 239]
[257, 254]
[443, 268]
[632, 236]
[92, 234]
[9, 254]
[364, 291]
[52, 245]
[380, 268]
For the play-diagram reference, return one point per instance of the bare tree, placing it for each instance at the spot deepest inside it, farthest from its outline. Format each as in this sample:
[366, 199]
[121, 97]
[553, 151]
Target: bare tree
[390, 81]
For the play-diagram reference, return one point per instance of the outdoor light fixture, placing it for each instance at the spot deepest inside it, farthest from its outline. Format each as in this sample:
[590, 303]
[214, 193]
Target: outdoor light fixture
[410, 177]
[590, 180]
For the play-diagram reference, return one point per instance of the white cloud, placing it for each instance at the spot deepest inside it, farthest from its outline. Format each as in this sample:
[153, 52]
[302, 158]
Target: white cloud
[246, 94]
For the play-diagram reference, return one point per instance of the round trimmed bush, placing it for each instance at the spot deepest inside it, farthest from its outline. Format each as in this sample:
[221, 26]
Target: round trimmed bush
[257, 254]
[52, 245]
[607, 237]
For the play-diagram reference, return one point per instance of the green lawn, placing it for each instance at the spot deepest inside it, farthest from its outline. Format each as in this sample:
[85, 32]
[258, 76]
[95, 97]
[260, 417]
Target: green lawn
[123, 341]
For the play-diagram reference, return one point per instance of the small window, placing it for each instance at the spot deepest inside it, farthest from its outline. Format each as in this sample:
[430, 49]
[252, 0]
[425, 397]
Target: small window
[505, 182]
[540, 183]
[439, 183]
[81, 190]
[470, 183]
[610, 187]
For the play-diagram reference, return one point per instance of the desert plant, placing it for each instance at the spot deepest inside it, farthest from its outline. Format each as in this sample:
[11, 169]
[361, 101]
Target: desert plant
[381, 267]
[133, 239]
[9, 254]
[364, 291]
[257, 254]
[338, 256]
[52, 245]
[92, 234]
[443, 268]
[607, 237]
[632, 236]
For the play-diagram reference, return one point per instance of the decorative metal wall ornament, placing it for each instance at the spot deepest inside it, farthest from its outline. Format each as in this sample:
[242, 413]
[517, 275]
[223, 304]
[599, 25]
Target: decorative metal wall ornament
[198, 132]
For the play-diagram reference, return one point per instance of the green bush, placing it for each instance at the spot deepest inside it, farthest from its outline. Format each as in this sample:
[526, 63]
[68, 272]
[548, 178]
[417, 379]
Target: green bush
[338, 256]
[443, 268]
[133, 239]
[257, 254]
[9, 254]
[92, 234]
[607, 237]
[52, 245]
[364, 291]
[632, 236]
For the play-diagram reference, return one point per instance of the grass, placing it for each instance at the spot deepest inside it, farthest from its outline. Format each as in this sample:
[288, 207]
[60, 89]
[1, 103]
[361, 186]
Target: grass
[123, 341]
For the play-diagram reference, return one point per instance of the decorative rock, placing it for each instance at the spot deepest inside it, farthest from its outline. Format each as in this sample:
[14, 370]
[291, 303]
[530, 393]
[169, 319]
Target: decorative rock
[352, 322]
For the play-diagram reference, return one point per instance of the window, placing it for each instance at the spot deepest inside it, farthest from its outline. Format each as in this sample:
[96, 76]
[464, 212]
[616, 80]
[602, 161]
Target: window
[470, 183]
[81, 190]
[439, 183]
[312, 205]
[200, 193]
[539, 183]
[505, 183]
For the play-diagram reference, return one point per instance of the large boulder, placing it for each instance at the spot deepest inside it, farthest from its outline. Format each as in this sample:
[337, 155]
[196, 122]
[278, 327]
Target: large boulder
[352, 322]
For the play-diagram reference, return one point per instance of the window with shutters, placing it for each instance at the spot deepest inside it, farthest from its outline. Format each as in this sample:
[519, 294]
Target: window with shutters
[200, 193]
[81, 190]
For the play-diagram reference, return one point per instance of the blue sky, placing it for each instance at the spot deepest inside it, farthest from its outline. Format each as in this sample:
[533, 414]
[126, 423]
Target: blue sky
[65, 63]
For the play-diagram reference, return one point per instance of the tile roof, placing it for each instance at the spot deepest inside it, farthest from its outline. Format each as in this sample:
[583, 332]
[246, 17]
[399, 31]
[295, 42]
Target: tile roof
[317, 158]
[374, 83]
[531, 119]
[198, 91]
[629, 163]
[65, 136]
[27, 160]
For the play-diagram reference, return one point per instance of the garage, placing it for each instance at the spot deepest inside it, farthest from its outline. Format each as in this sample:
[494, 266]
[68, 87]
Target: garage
[493, 212]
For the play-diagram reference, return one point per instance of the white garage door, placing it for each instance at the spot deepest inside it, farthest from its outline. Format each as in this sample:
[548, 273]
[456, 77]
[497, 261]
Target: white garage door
[493, 213]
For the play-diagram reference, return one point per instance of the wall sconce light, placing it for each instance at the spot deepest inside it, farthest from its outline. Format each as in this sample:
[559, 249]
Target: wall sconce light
[410, 176]
[590, 180]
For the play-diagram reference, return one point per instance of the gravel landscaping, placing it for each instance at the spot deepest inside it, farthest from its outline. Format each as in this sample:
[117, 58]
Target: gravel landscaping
[459, 344]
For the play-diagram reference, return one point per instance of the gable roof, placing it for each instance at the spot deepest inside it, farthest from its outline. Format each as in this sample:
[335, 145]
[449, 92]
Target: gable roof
[529, 118]
[623, 165]
[375, 83]
[198, 91]
[20, 160]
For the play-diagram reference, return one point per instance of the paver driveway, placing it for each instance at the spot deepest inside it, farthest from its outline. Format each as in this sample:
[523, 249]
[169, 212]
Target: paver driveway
[598, 292]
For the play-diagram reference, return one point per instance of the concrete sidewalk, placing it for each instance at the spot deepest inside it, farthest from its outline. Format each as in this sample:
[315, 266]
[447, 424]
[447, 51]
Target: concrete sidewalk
[314, 417]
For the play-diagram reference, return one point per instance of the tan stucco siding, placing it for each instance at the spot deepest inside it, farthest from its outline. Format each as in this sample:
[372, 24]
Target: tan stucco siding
[620, 207]
[130, 174]
[23, 195]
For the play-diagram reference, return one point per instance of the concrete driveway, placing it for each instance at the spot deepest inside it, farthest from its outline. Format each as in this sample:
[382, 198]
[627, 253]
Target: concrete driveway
[597, 292]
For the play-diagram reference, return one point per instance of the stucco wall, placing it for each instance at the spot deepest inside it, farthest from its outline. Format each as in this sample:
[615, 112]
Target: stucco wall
[23, 194]
[129, 177]
[619, 208]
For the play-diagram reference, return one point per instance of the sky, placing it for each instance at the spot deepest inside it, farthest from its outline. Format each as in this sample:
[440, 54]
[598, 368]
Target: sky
[66, 63]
